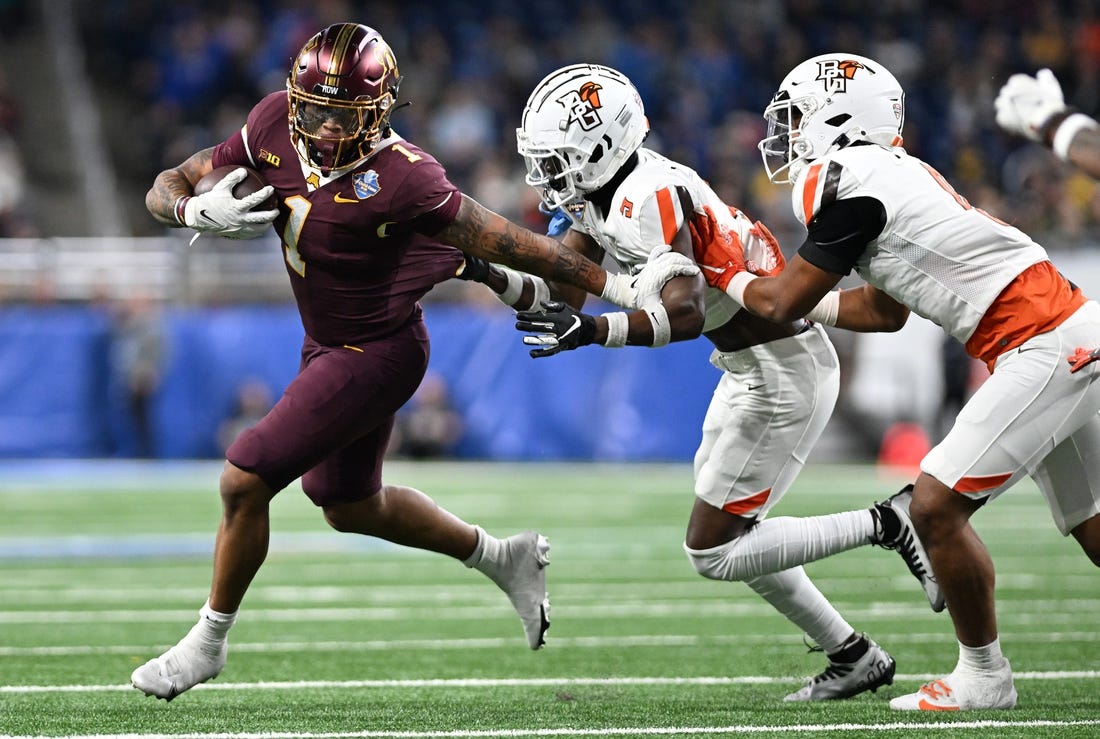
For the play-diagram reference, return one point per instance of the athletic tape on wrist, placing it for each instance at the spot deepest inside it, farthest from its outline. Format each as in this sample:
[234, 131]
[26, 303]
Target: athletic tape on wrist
[514, 289]
[618, 326]
[1069, 128]
[542, 293]
[658, 319]
[736, 287]
[827, 309]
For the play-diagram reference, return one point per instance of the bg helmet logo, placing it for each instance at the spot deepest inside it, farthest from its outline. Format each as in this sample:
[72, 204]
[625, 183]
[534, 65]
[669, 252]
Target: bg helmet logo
[835, 73]
[583, 105]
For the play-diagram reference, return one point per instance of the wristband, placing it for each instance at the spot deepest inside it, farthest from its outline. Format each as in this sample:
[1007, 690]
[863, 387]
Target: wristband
[1069, 128]
[514, 289]
[737, 284]
[658, 319]
[617, 289]
[178, 209]
[827, 309]
[542, 292]
[618, 326]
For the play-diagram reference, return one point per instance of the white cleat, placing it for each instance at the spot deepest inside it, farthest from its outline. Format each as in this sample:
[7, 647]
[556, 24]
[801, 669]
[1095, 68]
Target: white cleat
[846, 679]
[179, 669]
[521, 573]
[966, 691]
[908, 545]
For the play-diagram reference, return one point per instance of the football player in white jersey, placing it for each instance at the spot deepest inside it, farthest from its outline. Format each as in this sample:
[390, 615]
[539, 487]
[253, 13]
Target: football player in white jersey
[834, 131]
[1035, 107]
[581, 138]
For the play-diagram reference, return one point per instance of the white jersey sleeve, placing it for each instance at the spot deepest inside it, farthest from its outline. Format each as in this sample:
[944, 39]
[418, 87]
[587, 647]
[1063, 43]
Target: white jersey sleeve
[648, 209]
[944, 259]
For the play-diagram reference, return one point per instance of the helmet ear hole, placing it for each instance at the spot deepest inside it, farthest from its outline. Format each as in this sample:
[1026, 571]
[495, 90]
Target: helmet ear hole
[838, 120]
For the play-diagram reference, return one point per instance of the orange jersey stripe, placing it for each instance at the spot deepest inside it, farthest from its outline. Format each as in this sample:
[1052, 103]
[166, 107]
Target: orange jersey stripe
[668, 214]
[809, 191]
[979, 484]
[1037, 301]
[740, 507]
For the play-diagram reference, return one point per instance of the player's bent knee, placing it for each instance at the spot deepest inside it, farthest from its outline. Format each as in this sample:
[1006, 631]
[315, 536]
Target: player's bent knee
[715, 563]
[241, 490]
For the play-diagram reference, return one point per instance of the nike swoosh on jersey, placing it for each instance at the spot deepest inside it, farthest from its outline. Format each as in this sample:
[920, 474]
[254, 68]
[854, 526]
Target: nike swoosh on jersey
[341, 199]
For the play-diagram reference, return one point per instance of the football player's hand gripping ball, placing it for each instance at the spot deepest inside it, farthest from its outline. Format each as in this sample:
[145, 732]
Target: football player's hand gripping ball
[218, 211]
[557, 327]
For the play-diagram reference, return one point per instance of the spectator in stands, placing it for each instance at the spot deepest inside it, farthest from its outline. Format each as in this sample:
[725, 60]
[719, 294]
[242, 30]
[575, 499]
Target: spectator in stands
[429, 427]
[253, 401]
[139, 350]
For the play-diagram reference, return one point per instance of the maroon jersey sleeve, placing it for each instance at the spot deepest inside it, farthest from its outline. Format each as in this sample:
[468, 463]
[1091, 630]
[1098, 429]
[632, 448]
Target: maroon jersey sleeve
[358, 248]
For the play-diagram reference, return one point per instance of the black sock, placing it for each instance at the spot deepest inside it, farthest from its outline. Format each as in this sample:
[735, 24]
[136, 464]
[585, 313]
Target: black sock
[851, 650]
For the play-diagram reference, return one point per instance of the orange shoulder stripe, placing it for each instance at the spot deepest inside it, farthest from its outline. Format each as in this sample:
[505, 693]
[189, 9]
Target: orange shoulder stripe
[667, 211]
[809, 191]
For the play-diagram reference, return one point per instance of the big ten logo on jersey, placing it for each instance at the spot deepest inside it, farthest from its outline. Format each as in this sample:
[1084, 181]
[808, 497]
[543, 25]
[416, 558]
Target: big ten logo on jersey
[834, 74]
[583, 105]
[266, 156]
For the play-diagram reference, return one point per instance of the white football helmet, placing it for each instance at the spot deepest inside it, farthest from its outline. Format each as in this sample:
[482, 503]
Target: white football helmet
[579, 127]
[827, 103]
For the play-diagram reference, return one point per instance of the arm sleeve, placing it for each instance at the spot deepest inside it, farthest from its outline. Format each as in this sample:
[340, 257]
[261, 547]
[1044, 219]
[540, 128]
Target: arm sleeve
[840, 232]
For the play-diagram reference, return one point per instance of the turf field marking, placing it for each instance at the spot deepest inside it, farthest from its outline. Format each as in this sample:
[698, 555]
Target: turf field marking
[509, 682]
[578, 642]
[613, 731]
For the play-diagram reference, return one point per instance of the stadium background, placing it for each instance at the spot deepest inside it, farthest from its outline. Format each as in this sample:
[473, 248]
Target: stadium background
[96, 97]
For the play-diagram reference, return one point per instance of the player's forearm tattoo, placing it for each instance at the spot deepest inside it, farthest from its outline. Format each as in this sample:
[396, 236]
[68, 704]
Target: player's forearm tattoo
[171, 184]
[483, 233]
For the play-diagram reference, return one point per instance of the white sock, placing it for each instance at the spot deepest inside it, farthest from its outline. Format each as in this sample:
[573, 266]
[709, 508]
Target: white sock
[486, 552]
[212, 629]
[793, 594]
[777, 544]
[981, 659]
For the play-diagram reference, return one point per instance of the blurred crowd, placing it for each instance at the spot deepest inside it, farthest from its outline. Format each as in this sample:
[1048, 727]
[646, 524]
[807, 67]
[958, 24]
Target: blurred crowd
[705, 69]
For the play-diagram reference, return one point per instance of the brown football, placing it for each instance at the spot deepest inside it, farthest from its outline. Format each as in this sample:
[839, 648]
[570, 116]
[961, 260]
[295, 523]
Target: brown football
[250, 184]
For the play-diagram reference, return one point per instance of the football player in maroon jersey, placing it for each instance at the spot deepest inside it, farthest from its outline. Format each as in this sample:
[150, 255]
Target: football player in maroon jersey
[369, 223]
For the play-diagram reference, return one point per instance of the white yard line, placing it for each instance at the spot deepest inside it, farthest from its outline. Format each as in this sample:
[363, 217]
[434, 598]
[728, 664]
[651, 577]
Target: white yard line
[950, 726]
[579, 642]
[506, 682]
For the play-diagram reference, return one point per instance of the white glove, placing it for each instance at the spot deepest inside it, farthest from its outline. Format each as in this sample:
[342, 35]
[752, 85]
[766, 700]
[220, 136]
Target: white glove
[219, 212]
[1025, 103]
[663, 265]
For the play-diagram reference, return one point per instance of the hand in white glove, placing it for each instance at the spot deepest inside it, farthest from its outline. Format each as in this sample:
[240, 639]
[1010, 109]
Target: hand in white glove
[1025, 103]
[219, 212]
[663, 265]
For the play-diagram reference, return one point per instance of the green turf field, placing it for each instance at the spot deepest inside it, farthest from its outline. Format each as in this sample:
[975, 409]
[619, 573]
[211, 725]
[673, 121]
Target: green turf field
[103, 567]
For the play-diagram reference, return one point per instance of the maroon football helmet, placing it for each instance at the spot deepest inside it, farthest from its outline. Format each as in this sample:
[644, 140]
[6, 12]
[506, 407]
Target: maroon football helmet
[341, 90]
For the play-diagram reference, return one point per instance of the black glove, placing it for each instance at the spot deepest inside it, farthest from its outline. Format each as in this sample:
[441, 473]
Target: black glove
[557, 327]
[473, 268]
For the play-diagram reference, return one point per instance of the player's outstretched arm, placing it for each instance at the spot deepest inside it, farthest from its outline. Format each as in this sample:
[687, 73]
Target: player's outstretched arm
[677, 314]
[479, 231]
[1034, 106]
[528, 292]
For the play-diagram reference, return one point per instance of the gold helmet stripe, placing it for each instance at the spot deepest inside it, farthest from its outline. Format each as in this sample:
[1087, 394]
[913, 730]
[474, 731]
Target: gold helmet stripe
[339, 52]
